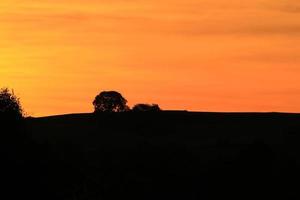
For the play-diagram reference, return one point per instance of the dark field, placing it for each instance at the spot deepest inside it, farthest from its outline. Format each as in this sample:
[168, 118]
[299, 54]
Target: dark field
[163, 155]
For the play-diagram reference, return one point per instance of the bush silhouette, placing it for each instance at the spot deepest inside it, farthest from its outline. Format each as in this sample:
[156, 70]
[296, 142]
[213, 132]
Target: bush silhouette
[146, 108]
[10, 107]
[110, 101]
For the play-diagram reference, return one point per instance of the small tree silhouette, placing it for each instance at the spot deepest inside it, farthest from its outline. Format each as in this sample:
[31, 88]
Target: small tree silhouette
[10, 106]
[110, 101]
[146, 108]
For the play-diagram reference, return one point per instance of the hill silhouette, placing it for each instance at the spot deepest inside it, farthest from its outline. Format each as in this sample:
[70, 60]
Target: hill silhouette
[166, 155]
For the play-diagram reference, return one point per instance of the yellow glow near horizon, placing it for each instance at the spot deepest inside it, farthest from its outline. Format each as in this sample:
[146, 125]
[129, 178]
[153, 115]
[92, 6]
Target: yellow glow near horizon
[212, 55]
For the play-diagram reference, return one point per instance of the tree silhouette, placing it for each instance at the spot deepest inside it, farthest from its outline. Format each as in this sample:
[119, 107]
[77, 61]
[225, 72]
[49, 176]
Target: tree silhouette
[110, 101]
[146, 108]
[10, 106]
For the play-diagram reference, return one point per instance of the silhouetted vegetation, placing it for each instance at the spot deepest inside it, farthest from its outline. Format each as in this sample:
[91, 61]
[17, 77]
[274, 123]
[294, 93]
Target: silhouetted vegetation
[154, 155]
[110, 101]
[146, 108]
[16, 150]
[10, 107]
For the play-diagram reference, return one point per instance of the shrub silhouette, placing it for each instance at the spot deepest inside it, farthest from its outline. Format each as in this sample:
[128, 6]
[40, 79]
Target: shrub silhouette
[10, 107]
[110, 101]
[146, 108]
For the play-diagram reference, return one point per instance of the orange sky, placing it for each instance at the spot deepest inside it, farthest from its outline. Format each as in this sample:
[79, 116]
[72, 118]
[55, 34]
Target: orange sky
[206, 55]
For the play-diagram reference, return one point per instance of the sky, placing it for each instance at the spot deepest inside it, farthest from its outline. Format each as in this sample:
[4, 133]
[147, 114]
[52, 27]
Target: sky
[197, 55]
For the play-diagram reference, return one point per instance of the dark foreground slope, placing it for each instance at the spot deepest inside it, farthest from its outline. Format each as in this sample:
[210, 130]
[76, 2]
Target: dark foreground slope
[167, 155]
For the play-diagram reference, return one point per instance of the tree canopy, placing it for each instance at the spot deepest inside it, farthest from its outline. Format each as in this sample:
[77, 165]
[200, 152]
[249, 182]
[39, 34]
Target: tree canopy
[146, 108]
[110, 101]
[10, 106]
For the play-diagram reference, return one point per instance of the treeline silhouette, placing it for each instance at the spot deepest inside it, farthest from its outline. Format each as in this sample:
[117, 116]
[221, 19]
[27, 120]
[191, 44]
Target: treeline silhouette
[21, 164]
[112, 101]
[117, 152]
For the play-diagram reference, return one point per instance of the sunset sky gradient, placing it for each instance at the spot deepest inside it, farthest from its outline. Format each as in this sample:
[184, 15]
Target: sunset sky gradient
[204, 55]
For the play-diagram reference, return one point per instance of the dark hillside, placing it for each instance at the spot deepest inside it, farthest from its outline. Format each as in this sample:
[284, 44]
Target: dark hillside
[170, 155]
